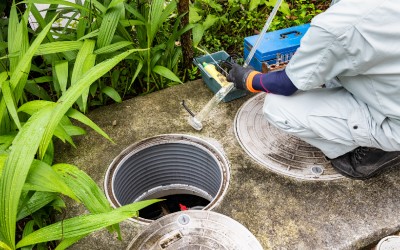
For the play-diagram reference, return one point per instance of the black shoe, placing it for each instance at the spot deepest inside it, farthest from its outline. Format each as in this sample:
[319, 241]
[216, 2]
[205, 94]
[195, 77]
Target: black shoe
[363, 163]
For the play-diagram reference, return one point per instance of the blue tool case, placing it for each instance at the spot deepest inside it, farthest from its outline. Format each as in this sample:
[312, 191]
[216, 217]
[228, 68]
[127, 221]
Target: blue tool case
[277, 47]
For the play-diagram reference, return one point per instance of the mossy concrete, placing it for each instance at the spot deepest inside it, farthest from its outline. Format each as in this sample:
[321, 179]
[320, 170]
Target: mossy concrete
[282, 212]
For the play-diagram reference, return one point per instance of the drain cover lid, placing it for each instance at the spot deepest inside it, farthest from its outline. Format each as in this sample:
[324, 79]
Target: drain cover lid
[280, 152]
[193, 229]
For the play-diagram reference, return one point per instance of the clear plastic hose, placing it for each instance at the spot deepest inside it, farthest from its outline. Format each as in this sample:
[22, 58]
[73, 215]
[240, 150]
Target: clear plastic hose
[261, 36]
[196, 121]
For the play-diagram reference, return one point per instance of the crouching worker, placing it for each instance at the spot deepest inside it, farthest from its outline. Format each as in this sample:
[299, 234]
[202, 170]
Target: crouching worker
[356, 122]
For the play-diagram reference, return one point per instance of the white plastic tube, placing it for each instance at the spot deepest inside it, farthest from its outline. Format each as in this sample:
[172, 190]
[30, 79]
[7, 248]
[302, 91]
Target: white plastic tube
[196, 121]
[264, 30]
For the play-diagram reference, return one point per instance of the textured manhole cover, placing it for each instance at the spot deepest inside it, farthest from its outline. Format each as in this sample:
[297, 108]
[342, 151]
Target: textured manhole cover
[202, 230]
[276, 150]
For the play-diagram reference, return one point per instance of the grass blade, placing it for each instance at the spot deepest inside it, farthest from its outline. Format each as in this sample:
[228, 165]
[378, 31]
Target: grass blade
[89, 35]
[23, 151]
[74, 92]
[43, 178]
[82, 225]
[84, 188]
[12, 35]
[9, 100]
[37, 91]
[6, 141]
[65, 243]
[89, 63]
[60, 2]
[108, 27]
[36, 202]
[86, 49]
[34, 106]
[112, 93]
[165, 72]
[4, 246]
[24, 64]
[112, 47]
[61, 70]
[75, 114]
[56, 47]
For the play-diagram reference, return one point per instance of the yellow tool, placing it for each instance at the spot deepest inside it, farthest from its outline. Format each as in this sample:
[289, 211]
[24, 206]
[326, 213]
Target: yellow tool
[212, 70]
[196, 120]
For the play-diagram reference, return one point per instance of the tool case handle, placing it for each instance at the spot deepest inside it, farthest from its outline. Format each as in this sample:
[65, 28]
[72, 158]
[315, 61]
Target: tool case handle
[285, 35]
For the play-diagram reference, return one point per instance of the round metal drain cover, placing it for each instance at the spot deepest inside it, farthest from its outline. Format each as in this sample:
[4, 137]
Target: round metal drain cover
[276, 150]
[195, 230]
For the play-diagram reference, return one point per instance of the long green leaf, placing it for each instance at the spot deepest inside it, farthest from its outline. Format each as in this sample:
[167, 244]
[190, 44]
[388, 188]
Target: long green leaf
[85, 189]
[4, 246]
[89, 63]
[65, 243]
[40, 79]
[89, 35]
[138, 69]
[75, 114]
[56, 47]
[24, 64]
[27, 230]
[42, 177]
[61, 2]
[36, 202]
[108, 26]
[165, 72]
[37, 90]
[12, 34]
[23, 151]
[87, 49]
[63, 135]
[82, 225]
[99, 6]
[135, 12]
[112, 47]
[61, 70]
[115, 3]
[9, 100]
[156, 11]
[112, 93]
[3, 158]
[74, 130]
[6, 140]
[130, 23]
[34, 106]
[73, 93]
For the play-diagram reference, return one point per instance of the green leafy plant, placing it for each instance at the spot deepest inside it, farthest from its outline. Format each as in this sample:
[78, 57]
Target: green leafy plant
[28, 180]
[103, 24]
[224, 25]
[157, 67]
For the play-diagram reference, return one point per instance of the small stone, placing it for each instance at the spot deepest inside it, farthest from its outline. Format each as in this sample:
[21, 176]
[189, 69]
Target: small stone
[114, 123]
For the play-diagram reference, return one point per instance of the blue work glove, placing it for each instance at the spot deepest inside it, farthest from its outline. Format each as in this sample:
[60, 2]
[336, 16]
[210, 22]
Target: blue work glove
[238, 75]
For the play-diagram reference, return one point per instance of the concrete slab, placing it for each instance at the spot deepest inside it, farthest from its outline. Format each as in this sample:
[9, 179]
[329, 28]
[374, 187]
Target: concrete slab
[282, 212]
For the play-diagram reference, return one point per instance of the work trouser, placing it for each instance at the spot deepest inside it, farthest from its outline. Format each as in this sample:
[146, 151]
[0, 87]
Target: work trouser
[330, 119]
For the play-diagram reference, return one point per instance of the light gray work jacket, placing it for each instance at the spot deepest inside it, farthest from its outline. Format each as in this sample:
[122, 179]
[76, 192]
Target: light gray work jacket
[357, 42]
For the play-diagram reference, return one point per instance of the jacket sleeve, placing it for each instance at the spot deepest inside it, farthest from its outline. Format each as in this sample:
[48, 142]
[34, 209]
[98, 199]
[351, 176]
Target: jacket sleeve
[319, 59]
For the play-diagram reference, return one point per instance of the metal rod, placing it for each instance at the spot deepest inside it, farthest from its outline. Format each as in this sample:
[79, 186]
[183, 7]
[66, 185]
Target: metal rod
[261, 36]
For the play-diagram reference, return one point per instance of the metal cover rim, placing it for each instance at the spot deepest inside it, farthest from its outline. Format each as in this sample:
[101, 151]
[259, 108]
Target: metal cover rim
[267, 147]
[197, 229]
[211, 147]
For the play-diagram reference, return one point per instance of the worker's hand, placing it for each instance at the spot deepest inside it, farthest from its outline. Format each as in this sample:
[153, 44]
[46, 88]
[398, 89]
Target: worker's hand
[238, 75]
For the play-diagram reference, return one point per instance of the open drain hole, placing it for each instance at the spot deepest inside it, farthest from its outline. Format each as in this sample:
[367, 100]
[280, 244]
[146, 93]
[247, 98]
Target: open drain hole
[188, 172]
[173, 203]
